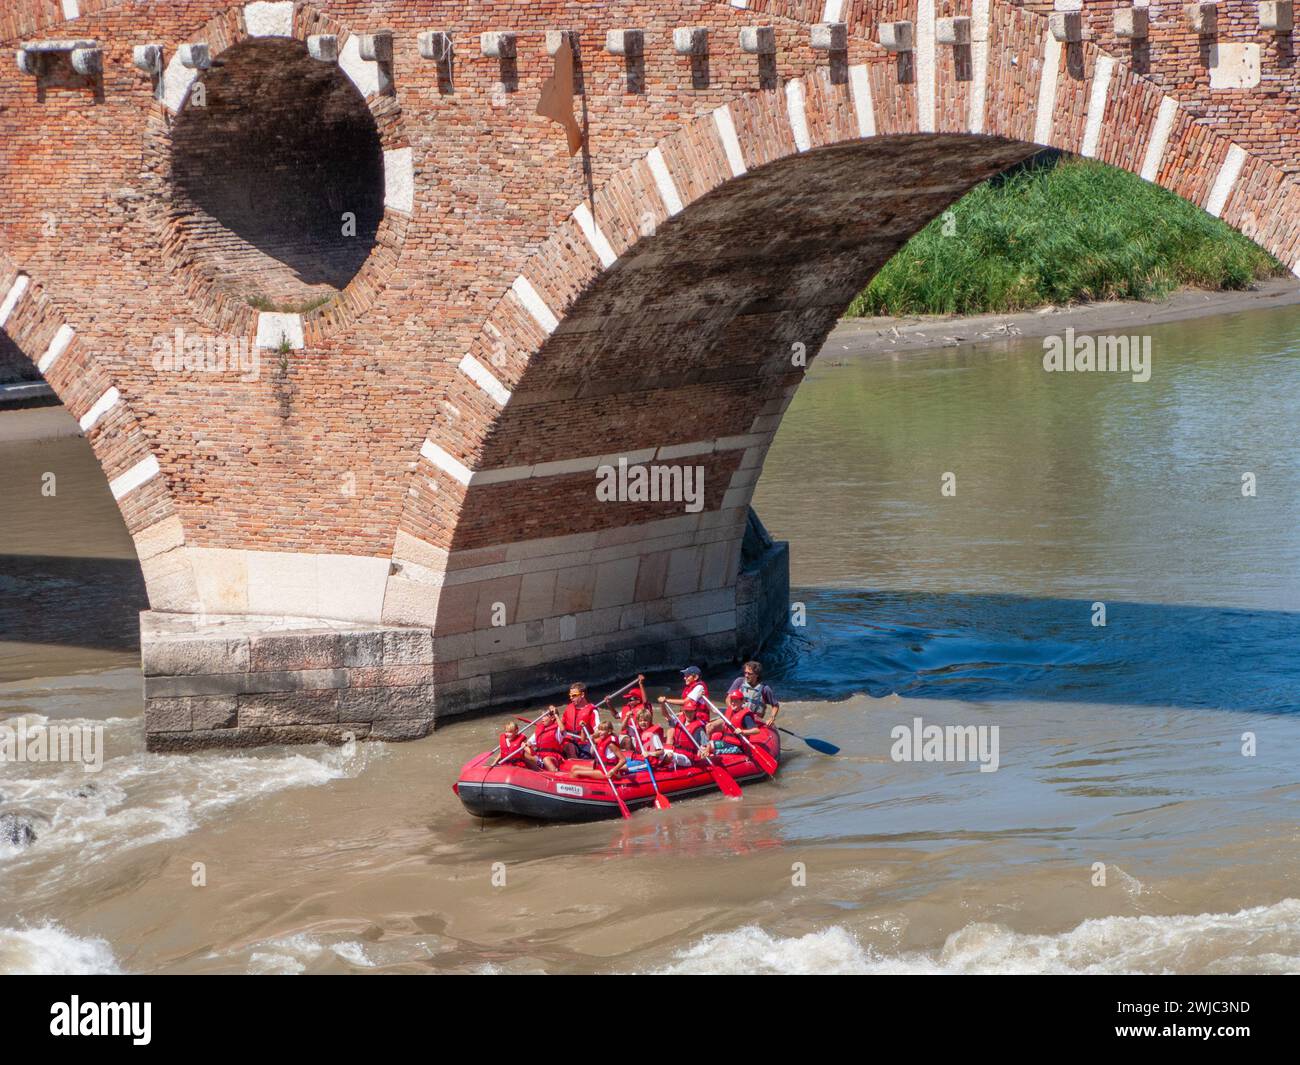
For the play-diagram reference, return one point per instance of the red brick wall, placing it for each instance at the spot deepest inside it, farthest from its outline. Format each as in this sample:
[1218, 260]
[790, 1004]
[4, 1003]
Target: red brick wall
[686, 334]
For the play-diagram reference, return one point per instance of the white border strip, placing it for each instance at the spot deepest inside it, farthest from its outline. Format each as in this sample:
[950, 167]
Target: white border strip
[1227, 178]
[587, 463]
[57, 347]
[16, 291]
[794, 105]
[663, 181]
[483, 377]
[399, 180]
[102, 406]
[71, 9]
[587, 223]
[730, 142]
[1046, 112]
[1097, 104]
[833, 10]
[134, 477]
[534, 304]
[449, 464]
[860, 88]
[979, 55]
[925, 65]
[1160, 130]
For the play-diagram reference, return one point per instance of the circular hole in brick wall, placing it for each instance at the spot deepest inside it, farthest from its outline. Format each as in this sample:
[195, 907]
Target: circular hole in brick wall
[278, 178]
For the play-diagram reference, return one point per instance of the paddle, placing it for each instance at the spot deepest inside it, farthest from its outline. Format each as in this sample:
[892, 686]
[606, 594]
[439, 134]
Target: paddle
[661, 800]
[615, 695]
[622, 806]
[763, 758]
[725, 781]
[812, 741]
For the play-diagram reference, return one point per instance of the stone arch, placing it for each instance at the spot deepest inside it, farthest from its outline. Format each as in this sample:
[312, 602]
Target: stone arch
[35, 325]
[500, 456]
[41, 325]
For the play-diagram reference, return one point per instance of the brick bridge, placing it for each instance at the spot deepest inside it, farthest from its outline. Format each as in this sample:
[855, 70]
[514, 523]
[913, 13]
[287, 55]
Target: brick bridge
[351, 331]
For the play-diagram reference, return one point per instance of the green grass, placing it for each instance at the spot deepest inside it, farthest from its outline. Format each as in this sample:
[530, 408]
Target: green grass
[261, 303]
[1058, 232]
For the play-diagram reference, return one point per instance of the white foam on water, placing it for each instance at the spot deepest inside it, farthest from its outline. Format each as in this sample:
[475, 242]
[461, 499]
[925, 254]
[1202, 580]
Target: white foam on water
[138, 798]
[49, 950]
[290, 955]
[1259, 939]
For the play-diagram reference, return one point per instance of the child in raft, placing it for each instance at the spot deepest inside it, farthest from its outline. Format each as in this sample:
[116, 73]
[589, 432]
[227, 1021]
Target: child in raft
[608, 753]
[541, 753]
[633, 703]
[740, 722]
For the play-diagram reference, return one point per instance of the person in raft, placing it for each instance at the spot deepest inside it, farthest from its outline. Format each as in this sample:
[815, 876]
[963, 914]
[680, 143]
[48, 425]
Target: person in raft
[580, 713]
[759, 698]
[542, 753]
[694, 712]
[633, 704]
[740, 721]
[652, 741]
[608, 753]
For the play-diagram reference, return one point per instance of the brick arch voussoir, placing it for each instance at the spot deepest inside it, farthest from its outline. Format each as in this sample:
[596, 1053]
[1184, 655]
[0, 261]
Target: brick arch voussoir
[136, 478]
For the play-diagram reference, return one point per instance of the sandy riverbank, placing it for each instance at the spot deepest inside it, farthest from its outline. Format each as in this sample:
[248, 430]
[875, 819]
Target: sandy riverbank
[865, 336]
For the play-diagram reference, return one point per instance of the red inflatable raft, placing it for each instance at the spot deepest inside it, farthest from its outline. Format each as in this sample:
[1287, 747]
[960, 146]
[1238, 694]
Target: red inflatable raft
[515, 789]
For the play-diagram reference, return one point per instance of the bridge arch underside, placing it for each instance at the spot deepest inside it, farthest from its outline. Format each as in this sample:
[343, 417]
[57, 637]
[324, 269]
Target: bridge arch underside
[683, 354]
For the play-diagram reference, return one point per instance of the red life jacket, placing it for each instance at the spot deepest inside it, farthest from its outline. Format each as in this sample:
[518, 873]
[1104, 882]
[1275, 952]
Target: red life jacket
[693, 711]
[647, 735]
[575, 717]
[509, 744]
[607, 751]
[736, 715]
[546, 739]
[629, 715]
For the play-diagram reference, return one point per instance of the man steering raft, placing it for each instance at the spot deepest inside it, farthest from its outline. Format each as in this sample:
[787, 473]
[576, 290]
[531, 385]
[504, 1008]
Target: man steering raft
[757, 696]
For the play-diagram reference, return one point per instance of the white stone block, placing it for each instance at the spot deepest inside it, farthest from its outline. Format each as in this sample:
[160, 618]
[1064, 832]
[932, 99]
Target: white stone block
[1131, 23]
[376, 47]
[498, 44]
[691, 40]
[830, 37]
[625, 42]
[147, 57]
[88, 60]
[263, 19]
[275, 329]
[1066, 26]
[436, 45]
[30, 63]
[955, 31]
[195, 56]
[896, 36]
[1234, 66]
[758, 40]
[1276, 15]
[1202, 18]
[323, 47]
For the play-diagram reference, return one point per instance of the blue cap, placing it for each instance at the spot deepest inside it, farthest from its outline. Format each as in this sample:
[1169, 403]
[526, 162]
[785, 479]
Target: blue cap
[692, 669]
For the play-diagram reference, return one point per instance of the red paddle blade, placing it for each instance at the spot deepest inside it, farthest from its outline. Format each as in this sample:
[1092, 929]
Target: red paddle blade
[661, 801]
[764, 759]
[725, 781]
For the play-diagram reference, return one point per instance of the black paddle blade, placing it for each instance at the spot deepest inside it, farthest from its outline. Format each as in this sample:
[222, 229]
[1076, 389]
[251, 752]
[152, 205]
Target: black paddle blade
[821, 745]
